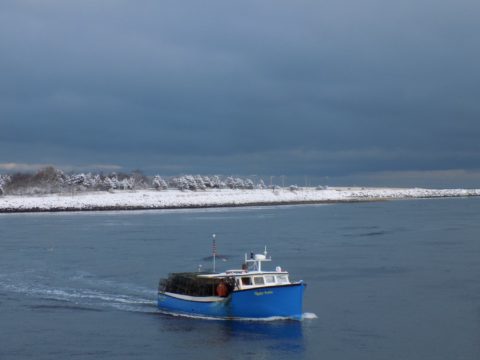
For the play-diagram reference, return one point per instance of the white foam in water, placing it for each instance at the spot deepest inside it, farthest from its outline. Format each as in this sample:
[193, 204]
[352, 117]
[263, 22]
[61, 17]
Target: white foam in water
[309, 316]
[202, 317]
[267, 319]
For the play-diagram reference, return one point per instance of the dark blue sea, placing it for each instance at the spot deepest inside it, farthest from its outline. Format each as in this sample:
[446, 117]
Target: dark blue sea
[385, 280]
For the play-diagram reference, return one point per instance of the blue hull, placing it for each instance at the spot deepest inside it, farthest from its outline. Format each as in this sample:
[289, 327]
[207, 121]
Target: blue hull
[265, 302]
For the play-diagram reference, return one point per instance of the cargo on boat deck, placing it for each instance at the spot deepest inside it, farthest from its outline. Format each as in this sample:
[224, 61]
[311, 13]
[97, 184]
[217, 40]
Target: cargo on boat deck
[189, 283]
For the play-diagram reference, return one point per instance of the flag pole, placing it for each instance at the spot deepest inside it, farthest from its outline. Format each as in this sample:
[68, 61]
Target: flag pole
[214, 246]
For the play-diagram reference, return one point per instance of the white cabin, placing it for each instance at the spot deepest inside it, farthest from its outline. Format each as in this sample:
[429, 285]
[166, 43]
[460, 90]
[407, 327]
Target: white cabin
[251, 275]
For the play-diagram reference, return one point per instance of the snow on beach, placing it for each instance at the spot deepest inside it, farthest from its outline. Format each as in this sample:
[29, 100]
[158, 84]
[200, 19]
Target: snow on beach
[169, 199]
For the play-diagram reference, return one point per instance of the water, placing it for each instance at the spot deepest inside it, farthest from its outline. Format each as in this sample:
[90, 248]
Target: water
[389, 280]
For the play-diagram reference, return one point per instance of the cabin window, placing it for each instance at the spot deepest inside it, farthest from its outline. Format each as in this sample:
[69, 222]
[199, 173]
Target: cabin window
[282, 279]
[258, 280]
[269, 279]
[246, 281]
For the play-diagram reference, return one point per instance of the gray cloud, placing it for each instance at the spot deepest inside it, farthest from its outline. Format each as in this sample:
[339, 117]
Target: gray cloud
[312, 87]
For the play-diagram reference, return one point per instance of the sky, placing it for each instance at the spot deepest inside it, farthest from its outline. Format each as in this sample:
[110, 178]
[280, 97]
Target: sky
[345, 91]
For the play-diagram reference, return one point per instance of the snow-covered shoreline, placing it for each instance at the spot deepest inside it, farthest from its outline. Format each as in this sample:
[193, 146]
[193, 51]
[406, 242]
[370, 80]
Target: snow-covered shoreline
[176, 199]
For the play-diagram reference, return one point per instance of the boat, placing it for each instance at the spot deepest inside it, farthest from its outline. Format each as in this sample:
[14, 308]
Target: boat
[246, 293]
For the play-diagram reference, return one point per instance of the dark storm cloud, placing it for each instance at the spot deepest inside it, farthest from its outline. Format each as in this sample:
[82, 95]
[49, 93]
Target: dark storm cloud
[311, 87]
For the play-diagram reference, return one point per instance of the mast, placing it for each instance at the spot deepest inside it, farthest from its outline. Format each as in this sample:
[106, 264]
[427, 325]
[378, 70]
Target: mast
[257, 259]
[214, 248]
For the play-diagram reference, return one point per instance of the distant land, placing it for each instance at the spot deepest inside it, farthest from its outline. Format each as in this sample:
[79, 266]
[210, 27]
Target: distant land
[179, 199]
[52, 190]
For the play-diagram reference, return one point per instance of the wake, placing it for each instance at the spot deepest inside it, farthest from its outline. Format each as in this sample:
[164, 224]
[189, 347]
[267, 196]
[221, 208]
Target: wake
[97, 295]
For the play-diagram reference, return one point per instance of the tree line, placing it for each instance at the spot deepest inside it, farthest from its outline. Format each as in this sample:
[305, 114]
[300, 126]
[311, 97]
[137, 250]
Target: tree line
[51, 180]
